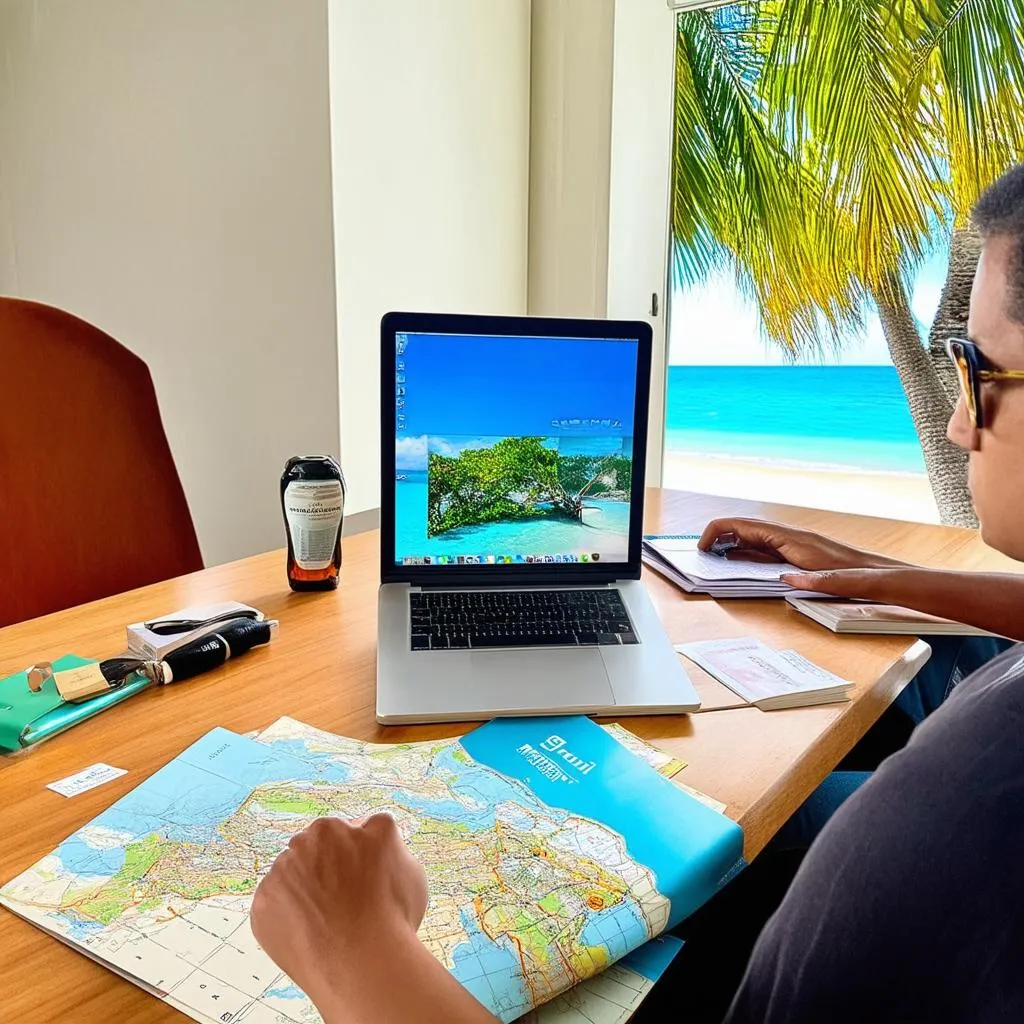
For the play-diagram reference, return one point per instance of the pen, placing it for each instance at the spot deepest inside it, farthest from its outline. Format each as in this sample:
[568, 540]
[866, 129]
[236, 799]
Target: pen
[171, 627]
[722, 547]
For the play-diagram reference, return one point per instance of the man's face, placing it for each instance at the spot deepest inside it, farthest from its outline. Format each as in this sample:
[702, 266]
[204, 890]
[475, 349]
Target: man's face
[996, 476]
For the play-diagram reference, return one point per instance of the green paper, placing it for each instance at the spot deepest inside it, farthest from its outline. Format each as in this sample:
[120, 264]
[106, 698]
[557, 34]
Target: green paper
[27, 718]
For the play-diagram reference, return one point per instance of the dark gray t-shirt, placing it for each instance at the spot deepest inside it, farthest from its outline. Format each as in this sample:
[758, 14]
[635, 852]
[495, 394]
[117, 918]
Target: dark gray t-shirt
[910, 905]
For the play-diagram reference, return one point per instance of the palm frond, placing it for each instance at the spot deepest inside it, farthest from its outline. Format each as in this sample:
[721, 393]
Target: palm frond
[835, 81]
[741, 200]
[969, 59]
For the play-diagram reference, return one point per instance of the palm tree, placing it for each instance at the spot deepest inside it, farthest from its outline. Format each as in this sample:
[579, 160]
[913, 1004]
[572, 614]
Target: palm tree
[820, 150]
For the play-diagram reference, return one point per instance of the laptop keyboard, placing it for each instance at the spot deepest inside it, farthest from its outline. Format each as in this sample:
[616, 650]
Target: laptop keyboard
[453, 620]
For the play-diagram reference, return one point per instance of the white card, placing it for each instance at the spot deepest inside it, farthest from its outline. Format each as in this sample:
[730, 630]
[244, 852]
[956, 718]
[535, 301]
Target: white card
[89, 778]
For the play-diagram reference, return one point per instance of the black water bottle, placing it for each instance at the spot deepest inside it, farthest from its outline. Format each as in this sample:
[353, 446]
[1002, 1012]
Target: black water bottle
[313, 503]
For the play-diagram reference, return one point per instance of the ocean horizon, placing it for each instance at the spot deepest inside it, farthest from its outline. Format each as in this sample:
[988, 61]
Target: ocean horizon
[848, 418]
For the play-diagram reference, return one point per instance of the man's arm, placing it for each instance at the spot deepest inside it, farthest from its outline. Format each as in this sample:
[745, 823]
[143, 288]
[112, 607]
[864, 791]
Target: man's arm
[990, 601]
[394, 980]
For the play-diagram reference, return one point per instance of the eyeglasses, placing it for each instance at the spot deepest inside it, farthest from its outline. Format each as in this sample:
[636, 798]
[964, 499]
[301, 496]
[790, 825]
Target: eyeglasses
[974, 370]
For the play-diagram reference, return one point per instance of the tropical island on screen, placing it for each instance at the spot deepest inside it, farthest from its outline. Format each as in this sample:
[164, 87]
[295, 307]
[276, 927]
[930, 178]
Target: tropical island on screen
[522, 478]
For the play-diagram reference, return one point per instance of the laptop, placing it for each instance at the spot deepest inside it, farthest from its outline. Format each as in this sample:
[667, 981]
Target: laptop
[512, 487]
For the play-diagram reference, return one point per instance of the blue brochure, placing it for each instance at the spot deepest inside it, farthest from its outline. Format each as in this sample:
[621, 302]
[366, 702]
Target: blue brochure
[573, 764]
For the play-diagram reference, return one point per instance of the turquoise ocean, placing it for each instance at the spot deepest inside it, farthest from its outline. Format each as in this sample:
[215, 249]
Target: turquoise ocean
[808, 417]
[605, 528]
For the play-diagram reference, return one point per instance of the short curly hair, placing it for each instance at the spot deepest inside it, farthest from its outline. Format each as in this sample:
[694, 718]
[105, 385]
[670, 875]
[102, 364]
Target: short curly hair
[999, 213]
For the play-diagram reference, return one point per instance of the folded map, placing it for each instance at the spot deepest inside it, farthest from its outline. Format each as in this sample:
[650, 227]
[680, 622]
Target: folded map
[551, 852]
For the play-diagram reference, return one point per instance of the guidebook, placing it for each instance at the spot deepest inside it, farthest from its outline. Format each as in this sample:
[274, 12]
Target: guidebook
[887, 619]
[551, 853]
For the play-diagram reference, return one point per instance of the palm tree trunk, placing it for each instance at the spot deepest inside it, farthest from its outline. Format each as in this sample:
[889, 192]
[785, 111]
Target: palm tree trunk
[951, 317]
[929, 406]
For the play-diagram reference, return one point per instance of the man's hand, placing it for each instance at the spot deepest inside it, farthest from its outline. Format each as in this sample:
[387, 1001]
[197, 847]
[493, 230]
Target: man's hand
[756, 540]
[879, 585]
[338, 912]
[989, 601]
[338, 885]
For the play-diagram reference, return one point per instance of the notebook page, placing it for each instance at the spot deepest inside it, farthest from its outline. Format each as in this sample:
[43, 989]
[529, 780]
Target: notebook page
[685, 557]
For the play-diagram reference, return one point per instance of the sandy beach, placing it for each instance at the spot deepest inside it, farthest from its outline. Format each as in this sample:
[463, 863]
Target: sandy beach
[893, 495]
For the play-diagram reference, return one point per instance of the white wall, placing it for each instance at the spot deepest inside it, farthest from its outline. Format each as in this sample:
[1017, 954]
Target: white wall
[570, 146]
[8, 267]
[601, 152]
[165, 174]
[641, 165]
[430, 123]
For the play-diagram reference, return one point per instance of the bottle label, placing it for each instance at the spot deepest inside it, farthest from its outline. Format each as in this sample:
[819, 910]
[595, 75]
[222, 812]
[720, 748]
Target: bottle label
[313, 510]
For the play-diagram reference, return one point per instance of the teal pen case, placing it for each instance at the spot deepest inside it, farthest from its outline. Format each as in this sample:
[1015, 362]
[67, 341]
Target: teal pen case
[28, 718]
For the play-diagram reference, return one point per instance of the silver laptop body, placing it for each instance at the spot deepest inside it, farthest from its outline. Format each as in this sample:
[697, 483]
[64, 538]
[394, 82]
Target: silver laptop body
[512, 473]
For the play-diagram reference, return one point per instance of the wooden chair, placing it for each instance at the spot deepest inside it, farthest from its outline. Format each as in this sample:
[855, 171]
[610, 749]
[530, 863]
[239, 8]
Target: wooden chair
[90, 500]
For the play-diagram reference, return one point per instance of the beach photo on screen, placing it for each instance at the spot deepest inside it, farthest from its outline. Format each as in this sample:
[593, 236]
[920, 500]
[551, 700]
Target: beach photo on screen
[520, 498]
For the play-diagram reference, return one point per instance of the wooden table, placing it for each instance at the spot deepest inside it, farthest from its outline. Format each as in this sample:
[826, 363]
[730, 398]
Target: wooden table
[321, 668]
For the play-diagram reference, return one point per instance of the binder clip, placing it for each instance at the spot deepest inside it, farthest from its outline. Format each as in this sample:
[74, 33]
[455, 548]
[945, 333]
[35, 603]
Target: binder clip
[38, 675]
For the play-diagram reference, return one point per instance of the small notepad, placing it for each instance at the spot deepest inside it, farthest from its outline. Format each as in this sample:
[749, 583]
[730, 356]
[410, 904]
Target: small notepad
[767, 679]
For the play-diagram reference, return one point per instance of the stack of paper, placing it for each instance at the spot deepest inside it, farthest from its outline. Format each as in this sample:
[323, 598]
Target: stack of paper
[678, 559]
[767, 679]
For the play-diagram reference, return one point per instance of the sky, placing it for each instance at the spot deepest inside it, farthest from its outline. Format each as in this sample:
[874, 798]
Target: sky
[715, 310]
[511, 386]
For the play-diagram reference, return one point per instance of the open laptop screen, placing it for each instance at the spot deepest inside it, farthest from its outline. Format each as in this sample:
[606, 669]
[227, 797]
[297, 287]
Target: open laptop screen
[513, 450]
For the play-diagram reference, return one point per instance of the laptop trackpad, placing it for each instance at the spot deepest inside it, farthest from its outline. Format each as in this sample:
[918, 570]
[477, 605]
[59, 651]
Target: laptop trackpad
[538, 680]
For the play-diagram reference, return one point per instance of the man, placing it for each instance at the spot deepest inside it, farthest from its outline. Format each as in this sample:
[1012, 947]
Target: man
[908, 907]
